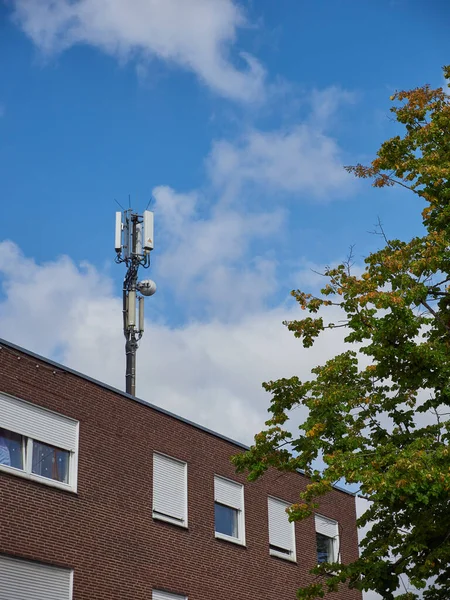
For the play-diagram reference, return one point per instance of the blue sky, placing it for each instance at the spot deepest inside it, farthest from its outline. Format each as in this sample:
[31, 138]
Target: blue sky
[80, 127]
[234, 119]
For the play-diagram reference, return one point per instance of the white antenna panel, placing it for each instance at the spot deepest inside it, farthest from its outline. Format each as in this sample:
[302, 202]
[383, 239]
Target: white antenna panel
[141, 314]
[118, 241]
[139, 229]
[131, 321]
[148, 230]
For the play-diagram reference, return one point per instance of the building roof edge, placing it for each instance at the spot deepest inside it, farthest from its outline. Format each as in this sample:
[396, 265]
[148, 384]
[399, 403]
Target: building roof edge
[159, 409]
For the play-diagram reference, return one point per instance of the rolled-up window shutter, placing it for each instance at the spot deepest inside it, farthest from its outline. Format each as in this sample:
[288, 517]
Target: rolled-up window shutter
[25, 580]
[160, 595]
[38, 423]
[228, 492]
[281, 531]
[169, 488]
[326, 526]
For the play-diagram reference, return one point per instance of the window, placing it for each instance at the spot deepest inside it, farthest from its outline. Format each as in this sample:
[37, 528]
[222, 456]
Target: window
[37, 443]
[226, 520]
[324, 548]
[327, 539]
[25, 579]
[229, 510]
[160, 595]
[169, 489]
[281, 531]
[50, 462]
[11, 449]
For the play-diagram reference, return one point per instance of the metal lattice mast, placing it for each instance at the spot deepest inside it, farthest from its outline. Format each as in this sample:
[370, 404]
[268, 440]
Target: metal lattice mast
[133, 244]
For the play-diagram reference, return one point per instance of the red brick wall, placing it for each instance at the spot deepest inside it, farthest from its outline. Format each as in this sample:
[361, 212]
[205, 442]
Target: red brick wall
[106, 533]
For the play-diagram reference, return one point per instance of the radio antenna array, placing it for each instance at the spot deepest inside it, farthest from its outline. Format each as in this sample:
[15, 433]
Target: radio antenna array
[133, 244]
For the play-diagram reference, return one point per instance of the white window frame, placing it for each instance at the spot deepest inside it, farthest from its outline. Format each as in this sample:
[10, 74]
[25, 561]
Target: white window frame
[240, 540]
[161, 516]
[292, 555]
[27, 450]
[335, 544]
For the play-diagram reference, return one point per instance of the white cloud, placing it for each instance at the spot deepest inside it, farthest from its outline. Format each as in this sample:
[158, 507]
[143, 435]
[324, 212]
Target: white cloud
[325, 103]
[46, 297]
[210, 372]
[219, 250]
[205, 259]
[301, 160]
[194, 34]
[218, 253]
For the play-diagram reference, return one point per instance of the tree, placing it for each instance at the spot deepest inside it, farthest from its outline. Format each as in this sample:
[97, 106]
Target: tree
[378, 413]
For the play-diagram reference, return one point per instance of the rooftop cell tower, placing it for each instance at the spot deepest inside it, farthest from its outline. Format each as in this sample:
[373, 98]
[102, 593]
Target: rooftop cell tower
[134, 242]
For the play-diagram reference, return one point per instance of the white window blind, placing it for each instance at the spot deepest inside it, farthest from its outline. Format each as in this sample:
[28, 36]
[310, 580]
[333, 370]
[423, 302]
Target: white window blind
[326, 526]
[169, 489]
[160, 595]
[38, 423]
[281, 531]
[25, 580]
[228, 492]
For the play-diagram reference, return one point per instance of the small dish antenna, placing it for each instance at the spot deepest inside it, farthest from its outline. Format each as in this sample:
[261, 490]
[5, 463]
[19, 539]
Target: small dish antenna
[147, 287]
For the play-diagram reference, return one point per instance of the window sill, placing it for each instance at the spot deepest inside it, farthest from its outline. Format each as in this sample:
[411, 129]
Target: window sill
[228, 538]
[286, 557]
[170, 520]
[38, 479]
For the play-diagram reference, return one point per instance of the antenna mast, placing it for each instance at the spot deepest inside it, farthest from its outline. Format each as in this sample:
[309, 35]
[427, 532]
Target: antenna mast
[133, 244]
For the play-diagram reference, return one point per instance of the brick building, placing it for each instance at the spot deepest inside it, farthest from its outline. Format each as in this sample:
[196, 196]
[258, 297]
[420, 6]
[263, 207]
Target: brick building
[106, 497]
